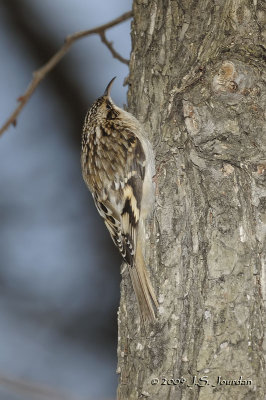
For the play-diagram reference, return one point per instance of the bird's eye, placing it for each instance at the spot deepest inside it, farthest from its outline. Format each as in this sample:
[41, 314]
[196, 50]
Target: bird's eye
[108, 106]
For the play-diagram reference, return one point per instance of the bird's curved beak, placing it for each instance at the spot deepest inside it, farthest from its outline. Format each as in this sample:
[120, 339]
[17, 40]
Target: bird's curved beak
[108, 87]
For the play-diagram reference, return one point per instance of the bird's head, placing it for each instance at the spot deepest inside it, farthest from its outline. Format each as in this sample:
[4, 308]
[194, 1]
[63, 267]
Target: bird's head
[103, 109]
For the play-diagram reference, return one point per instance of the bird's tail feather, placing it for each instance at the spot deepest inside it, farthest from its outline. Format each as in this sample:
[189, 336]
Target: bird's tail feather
[143, 289]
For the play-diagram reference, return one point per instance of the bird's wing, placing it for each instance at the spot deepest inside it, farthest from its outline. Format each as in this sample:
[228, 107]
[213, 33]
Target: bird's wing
[120, 206]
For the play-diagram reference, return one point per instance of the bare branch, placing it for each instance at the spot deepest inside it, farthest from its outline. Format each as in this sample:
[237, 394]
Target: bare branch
[39, 74]
[112, 50]
[32, 389]
[36, 391]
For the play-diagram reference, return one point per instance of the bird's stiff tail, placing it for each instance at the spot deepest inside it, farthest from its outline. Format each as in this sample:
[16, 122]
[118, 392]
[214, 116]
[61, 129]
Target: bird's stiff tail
[143, 289]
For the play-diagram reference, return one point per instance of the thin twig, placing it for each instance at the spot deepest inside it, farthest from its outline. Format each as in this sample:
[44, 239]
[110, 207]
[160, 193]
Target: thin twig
[39, 74]
[112, 50]
[33, 390]
[36, 391]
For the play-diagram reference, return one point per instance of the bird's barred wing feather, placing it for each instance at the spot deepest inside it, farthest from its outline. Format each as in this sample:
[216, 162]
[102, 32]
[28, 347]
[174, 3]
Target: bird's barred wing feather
[132, 194]
[112, 221]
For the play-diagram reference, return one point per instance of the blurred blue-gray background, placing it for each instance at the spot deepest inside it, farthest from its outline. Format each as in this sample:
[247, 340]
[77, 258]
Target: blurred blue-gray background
[59, 271]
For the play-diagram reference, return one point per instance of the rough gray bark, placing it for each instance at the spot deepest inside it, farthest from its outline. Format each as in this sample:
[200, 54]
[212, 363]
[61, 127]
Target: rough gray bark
[197, 82]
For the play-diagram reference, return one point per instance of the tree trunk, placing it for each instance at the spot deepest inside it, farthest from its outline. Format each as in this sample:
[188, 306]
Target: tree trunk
[197, 83]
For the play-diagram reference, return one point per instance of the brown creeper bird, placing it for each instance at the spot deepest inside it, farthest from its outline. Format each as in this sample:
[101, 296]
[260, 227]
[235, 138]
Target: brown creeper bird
[118, 165]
